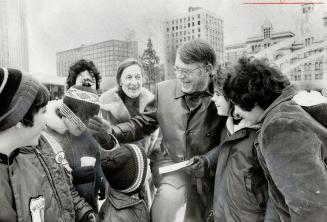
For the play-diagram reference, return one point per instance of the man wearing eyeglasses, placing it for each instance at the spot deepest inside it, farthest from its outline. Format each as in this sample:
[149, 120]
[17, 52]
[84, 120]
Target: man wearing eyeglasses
[183, 109]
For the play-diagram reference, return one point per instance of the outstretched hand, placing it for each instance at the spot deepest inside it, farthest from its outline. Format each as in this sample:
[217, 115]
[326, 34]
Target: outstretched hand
[98, 126]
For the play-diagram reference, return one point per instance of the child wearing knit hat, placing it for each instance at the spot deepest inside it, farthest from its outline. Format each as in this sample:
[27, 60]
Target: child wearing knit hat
[82, 151]
[34, 187]
[124, 167]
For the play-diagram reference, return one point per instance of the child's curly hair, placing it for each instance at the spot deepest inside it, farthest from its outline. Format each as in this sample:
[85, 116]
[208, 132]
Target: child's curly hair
[253, 81]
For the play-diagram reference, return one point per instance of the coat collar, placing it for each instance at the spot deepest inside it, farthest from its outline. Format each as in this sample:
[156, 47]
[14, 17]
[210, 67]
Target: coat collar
[110, 101]
[287, 94]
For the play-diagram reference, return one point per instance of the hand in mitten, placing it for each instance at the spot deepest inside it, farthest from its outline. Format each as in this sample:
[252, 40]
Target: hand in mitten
[97, 125]
[199, 167]
[112, 159]
[101, 132]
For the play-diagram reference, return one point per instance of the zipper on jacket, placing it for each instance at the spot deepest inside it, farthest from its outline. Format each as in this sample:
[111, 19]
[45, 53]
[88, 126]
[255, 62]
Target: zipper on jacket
[45, 166]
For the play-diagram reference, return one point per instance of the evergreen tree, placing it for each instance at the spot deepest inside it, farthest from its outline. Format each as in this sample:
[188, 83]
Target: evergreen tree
[150, 62]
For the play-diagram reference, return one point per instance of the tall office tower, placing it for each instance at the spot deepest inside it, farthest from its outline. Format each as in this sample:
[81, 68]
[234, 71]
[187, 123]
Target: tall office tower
[13, 34]
[105, 55]
[196, 23]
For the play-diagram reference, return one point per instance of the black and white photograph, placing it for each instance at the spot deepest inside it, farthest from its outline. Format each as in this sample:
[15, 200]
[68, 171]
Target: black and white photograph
[163, 111]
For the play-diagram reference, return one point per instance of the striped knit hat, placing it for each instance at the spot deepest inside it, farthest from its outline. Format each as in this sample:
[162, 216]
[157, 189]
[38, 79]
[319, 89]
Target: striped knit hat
[80, 103]
[17, 93]
[125, 173]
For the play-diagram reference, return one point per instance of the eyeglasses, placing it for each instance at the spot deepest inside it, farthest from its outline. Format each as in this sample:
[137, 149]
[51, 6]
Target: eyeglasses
[184, 72]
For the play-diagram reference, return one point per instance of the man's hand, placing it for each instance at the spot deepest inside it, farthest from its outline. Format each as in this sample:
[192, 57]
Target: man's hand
[101, 132]
[98, 126]
[200, 166]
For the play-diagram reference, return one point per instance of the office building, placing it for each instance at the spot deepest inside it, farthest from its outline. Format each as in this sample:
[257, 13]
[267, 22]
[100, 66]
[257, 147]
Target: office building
[105, 55]
[13, 35]
[196, 23]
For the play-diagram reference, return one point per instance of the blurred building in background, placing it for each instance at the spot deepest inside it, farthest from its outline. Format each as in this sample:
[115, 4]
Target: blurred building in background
[301, 56]
[13, 35]
[196, 23]
[105, 55]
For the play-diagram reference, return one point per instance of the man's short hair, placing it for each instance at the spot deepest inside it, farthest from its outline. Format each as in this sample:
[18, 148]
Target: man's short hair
[253, 81]
[197, 51]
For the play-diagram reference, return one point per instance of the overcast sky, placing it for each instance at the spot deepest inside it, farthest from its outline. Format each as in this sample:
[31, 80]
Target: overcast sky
[56, 25]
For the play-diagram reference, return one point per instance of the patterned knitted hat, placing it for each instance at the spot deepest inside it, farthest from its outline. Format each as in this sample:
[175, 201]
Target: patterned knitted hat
[80, 104]
[17, 93]
[125, 172]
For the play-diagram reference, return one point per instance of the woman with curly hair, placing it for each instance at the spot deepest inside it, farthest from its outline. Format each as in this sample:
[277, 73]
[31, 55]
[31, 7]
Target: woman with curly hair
[84, 73]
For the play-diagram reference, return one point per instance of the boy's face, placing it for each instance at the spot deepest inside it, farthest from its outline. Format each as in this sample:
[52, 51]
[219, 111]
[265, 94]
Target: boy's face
[39, 123]
[249, 116]
[223, 106]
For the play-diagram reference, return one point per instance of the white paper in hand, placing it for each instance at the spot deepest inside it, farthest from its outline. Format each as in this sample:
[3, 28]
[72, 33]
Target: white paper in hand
[175, 167]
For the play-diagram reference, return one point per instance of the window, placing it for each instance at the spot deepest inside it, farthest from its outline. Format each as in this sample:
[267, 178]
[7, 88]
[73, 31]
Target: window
[189, 25]
[176, 27]
[199, 30]
[167, 29]
[192, 23]
[198, 22]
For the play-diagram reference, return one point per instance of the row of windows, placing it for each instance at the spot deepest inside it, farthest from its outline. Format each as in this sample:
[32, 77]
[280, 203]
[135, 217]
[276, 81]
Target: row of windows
[108, 49]
[181, 33]
[298, 77]
[175, 28]
[308, 41]
[183, 20]
[235, 53]
[266, 33]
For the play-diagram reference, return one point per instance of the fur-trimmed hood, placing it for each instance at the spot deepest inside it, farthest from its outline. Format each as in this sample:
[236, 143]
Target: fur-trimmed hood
[111, 102]
[54, 122]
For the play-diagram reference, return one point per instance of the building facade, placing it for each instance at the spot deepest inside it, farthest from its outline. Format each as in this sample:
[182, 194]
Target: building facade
[233, 52]
[197, 23]
[105, 55]
[256, 44]
[301, 57]
[13, 35]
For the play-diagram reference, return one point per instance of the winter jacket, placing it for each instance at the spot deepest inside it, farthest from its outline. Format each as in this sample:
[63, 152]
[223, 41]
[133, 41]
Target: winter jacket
[240, 193]
[120, 207]
[292, 150]
[113, 109]
[87, 179]
[186, 132]
[31, 181]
